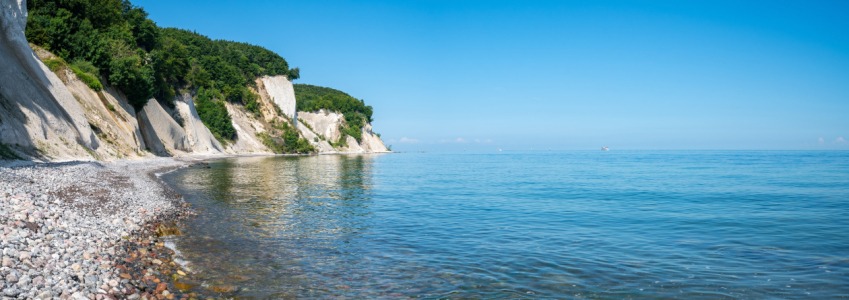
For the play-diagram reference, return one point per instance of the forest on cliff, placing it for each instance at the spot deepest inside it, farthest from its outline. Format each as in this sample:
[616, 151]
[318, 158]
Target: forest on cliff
[116, 41]
[113, 42]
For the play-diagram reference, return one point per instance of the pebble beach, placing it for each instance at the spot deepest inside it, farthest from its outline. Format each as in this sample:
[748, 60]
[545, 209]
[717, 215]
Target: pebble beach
[90, 230]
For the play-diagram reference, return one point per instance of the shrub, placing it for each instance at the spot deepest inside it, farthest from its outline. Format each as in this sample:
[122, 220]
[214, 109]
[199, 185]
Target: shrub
[89, 80]
[55, 64]
[343, 141]
[251, 102]
[85, 66]
[287, 142]
[110, 107]
[213, 114]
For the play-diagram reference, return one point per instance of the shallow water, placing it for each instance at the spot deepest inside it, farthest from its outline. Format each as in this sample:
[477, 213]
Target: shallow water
[609, 225]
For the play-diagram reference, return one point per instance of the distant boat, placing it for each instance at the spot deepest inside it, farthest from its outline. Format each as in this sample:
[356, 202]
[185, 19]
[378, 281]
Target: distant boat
[605, 149]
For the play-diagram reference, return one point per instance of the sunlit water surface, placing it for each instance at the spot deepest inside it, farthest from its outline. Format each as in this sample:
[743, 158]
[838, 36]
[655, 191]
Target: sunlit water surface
[641, 224]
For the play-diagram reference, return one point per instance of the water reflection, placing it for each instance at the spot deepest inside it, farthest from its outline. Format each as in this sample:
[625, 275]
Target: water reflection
[665, 225]
[254, 209]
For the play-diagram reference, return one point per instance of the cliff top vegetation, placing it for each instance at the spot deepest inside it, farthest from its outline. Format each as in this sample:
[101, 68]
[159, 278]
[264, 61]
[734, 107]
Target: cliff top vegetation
[143, 60]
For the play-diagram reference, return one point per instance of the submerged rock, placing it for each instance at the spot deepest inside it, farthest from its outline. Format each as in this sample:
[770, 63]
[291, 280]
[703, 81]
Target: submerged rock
[224, 288]
[166, 229]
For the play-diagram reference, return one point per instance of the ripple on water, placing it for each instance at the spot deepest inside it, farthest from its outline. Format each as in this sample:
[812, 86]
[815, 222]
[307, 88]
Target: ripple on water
[643, 224]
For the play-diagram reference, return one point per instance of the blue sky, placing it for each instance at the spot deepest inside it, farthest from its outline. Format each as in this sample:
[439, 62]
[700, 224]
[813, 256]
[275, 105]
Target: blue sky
[480, 75]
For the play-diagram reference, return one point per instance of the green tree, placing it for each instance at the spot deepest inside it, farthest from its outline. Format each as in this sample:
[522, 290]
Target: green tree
[214, 115]
[134, 78]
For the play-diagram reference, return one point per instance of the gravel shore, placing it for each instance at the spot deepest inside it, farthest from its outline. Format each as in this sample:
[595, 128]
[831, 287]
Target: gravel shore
[70, 230]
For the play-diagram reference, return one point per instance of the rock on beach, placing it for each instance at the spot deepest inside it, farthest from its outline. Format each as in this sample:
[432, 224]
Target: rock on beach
[64, 226]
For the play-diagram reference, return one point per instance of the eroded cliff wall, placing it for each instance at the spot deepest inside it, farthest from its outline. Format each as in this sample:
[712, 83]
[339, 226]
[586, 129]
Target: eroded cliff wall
[328, 125]
[199, 137]
[247, 126]
[39, 117]
[323, 122]
[281, 92]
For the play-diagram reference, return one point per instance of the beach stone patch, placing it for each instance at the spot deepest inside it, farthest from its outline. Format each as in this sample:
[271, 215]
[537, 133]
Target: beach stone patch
[88, 230]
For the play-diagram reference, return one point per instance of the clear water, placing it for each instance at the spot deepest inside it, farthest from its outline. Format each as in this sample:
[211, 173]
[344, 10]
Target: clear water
[607, 225]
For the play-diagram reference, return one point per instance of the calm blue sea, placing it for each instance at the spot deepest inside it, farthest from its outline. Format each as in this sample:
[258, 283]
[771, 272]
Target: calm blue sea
[537, 224]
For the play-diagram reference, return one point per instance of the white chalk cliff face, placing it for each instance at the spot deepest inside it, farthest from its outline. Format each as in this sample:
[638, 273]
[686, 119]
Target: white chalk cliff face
[199, 137]
[162, 134]
[117, 128]
[323, 122]
[329, 126]
[371, 142]
[246, 129]
[320, 145]
[39, 117]
[282, 93]
[108, 112]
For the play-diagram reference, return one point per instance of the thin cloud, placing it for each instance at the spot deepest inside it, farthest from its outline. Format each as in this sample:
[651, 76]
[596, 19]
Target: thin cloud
[839, 140]
[822, 140]
[406, 140]
[460, 140]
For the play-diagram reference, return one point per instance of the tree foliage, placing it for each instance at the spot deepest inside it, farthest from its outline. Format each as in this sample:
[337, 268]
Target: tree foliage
[146, 61]
[214, 115]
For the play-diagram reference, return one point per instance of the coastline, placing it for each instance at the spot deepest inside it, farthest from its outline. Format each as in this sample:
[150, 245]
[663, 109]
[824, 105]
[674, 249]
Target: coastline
[89, 230]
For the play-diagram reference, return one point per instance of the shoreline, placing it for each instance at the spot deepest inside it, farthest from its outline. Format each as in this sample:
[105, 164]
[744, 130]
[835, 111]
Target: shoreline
[63, 226]
[74, 230]
[88, 230]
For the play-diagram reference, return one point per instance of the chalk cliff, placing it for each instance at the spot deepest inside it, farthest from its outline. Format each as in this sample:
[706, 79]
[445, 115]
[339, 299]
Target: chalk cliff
[246, 129]
[39, 117]
[281, 92]
[371, 142]
[162, 134]
[53, 115]
[324, 123]
[328, 125]
[199, 137]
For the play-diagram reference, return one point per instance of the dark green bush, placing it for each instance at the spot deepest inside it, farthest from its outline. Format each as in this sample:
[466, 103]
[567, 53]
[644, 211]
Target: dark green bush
[135, 79]
[213, 114]
[287, 142]
[89, 79]
[85, 66]
[55, 64]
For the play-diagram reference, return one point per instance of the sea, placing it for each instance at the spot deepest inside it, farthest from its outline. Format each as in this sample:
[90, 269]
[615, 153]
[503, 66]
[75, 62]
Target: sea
[521, 225]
